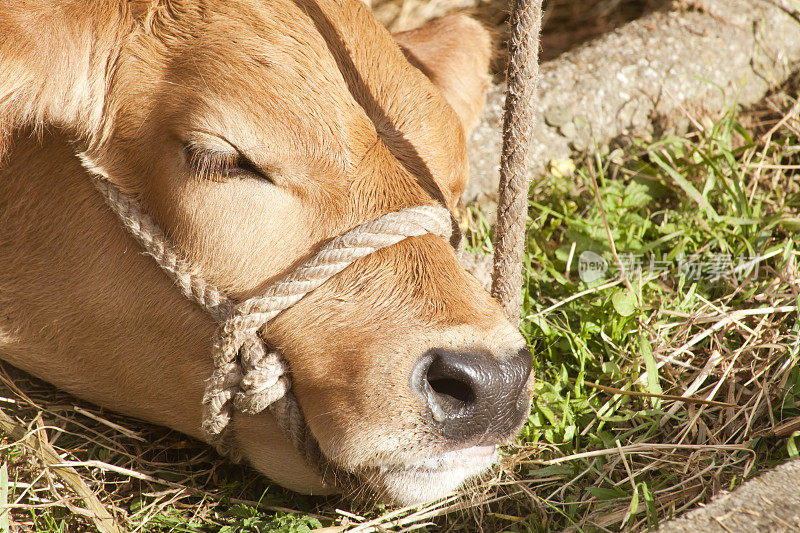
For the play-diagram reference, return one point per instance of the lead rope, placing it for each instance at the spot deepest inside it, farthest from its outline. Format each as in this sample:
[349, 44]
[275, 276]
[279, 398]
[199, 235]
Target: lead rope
[247, 375]
[512, 206]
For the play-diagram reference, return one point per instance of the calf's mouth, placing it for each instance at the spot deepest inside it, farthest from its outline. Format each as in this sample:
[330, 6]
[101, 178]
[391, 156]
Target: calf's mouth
[431, 477]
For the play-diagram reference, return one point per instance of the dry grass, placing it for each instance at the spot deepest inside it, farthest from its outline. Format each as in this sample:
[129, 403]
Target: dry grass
[73, 466]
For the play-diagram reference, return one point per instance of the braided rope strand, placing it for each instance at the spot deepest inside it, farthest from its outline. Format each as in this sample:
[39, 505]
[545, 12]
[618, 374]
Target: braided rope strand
[152, 239]
[512, 206]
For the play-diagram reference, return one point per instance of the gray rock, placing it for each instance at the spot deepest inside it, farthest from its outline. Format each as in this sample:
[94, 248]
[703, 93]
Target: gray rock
[559, 116]
[770, 502]
[480, 266]
[649, 76]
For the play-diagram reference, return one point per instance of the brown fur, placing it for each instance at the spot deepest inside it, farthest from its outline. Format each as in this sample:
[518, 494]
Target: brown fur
[322, 100]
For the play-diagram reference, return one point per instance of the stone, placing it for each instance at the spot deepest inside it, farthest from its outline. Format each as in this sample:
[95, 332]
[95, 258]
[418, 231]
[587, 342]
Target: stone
[769, 502]
[640, 79]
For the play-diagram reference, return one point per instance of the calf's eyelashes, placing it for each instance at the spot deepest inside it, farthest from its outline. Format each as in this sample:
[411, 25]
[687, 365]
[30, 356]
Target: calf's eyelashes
[219, 165]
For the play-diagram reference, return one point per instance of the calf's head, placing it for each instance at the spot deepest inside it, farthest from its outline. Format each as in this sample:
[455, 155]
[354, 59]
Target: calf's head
[253, 132]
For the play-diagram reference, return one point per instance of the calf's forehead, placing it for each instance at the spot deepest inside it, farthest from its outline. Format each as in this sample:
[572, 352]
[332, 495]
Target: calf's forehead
[322, 75]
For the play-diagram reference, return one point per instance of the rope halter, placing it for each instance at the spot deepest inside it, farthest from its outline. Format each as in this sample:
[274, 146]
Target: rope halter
[248, 376]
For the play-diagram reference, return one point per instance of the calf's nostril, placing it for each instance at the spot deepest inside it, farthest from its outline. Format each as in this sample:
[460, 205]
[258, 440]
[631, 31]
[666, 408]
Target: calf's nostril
[451, 389]
[474, 395]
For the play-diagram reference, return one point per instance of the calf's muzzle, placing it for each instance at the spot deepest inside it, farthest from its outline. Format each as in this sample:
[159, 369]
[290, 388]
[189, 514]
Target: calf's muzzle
[474, 398]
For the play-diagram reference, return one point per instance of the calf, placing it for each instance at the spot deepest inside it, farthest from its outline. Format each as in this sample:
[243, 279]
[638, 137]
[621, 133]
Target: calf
[253, 132]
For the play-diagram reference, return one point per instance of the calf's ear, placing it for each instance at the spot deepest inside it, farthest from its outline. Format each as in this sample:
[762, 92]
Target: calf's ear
[454, 52]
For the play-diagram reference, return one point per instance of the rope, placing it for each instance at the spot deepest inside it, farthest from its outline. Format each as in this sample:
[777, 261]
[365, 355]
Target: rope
[248, 376]
[512, 207]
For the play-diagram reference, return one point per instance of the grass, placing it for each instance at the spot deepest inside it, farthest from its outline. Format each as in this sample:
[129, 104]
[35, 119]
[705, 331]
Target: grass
[655, 390]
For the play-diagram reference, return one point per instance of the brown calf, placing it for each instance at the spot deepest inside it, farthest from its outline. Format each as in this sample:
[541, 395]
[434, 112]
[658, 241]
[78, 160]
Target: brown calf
[253, 132]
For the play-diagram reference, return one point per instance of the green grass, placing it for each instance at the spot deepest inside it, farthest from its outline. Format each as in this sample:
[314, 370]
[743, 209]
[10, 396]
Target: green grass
[700, 202]
[606, 445]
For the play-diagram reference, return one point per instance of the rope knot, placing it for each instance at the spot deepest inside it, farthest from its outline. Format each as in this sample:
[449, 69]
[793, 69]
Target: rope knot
[249, 377]
[265, 377]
